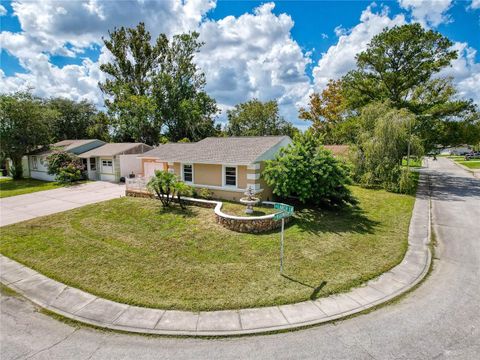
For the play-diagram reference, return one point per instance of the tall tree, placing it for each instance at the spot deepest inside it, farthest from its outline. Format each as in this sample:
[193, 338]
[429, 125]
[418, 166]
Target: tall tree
[129, 83]
[178, 90]
[155, 87]
[257, 118]
[73, 120]
[25, 125]
[100, 127]
[399, 65]
[326, 111]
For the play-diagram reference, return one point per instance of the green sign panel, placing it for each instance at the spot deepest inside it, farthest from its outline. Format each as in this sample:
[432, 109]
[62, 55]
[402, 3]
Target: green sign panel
[281, 215]
[284, 207]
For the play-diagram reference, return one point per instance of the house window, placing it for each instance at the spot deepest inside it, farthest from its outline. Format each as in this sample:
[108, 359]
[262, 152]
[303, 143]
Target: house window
[34, 163]
[230, 176]
[188, 173]
[107, 166]
[93, 164]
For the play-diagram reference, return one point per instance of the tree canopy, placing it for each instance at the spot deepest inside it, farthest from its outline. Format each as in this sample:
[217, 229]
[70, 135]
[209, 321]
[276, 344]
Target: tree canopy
[155, 87]
[257, 118]
[401, 66]
[25, 126]
[74, 118]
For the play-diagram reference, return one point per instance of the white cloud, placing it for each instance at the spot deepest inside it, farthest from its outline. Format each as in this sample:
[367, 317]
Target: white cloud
[340, 58]
[465, 72]
[3, 11]
[475, 4]
[254, 55]
[428, 12]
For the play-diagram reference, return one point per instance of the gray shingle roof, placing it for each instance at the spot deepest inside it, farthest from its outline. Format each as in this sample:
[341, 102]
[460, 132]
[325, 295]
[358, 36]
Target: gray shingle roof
[65, 145]
[113, 149]
[221, 150]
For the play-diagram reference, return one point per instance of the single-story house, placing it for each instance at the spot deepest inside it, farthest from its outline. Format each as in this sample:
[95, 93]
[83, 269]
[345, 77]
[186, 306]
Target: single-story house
[224, 165]
[112, 161]
[459, 150]
[37, 160]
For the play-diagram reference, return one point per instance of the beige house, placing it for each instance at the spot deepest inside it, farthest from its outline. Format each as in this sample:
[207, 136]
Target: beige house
[226, 165]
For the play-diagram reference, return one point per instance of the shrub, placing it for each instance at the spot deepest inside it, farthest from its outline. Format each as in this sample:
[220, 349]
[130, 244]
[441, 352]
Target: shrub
[381, 146]
[167, 186]
[65, 166]
[203, 193]
[305, 169]
[163, 184]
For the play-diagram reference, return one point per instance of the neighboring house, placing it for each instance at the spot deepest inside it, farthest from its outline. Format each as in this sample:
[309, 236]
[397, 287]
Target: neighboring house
[112, 161]
[225, 165]
[459, 150]
[37, 160]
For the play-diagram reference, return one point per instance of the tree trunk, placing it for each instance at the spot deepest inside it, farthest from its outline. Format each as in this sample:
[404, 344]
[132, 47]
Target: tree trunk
[16, 170]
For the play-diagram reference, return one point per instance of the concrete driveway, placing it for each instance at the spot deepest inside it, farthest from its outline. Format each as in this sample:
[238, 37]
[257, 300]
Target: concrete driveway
[24, 207]
[439, 320]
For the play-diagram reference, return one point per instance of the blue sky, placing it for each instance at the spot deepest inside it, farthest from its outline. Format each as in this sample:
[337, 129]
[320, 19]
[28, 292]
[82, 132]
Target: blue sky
[280, 50]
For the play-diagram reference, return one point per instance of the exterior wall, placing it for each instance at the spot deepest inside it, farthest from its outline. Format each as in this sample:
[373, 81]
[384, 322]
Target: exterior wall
[242, 177]
[116, 167]
[254, 179]
[129, 163]
[41, 172]
[207, 174]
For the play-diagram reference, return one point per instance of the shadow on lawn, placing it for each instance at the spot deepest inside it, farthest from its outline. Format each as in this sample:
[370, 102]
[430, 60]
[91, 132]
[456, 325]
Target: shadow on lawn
[175, 209]
[316, 289]
[350, 219]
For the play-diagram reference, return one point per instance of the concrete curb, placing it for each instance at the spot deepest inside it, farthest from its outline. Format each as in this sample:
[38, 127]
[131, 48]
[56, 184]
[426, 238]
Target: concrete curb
[474, 172]
[84, 307]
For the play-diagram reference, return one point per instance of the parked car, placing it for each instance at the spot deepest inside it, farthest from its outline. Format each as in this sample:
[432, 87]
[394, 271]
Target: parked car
[472, 155]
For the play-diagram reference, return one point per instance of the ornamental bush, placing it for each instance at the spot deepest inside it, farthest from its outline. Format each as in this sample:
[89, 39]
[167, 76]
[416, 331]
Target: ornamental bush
[65, 166]
[309, 172]
[167, 186]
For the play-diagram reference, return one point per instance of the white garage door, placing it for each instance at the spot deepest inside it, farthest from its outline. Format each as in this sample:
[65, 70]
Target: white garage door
[150, 167]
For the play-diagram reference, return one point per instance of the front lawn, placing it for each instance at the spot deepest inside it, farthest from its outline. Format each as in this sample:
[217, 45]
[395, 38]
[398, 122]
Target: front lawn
[9, 187]
[471, 164]
[131, 251]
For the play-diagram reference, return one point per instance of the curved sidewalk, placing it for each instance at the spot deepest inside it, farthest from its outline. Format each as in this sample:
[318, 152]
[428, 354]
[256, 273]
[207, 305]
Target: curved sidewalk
[87, 308]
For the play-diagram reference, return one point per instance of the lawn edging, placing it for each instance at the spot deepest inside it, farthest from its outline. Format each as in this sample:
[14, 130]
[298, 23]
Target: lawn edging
[81, 306]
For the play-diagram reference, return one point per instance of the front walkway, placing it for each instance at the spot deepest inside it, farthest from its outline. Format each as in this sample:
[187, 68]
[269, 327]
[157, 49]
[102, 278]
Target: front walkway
[79, 305]
[28, 206]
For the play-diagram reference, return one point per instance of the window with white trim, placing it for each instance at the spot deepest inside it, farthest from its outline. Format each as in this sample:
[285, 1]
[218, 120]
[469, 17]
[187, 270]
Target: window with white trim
[188, 173]
[34, 163]
[230, 176]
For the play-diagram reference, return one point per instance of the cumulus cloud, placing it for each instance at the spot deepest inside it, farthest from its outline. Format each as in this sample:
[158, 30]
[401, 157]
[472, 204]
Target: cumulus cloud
[340, 58]
[254, 55]
[475, 4]
[428, 12]
[3, 11]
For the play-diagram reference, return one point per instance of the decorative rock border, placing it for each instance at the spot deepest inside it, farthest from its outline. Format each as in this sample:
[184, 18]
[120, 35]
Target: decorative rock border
[243, 224]
[81, 306]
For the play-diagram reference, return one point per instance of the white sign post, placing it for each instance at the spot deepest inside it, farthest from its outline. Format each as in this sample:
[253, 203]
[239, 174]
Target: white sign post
[285, 211]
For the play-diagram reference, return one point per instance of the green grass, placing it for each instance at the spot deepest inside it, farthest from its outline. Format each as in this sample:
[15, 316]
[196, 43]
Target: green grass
[414, 162]
[131, 251]
[9, 187]
[471, 164]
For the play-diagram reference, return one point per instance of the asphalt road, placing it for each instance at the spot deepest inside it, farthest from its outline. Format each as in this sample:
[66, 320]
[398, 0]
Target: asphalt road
[441, 319]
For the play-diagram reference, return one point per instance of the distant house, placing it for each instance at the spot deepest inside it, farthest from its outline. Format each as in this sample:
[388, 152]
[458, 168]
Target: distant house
[225, 165]
[459, 150]
[110, 162]
[37, 160]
